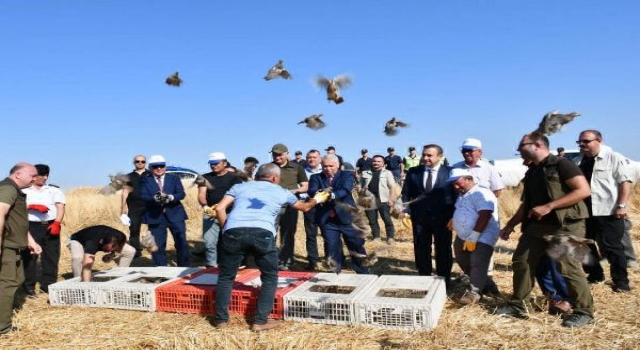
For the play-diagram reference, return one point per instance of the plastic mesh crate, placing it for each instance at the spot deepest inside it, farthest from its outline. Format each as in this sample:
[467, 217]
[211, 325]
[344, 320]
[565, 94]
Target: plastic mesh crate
[196, 293]
[159, 271]
[402, 302]
[244, 296]
[326, 298]
[132, 292]
[76, 292]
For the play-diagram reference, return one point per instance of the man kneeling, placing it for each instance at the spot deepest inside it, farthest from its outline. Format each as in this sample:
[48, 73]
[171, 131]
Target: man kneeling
[85, 243]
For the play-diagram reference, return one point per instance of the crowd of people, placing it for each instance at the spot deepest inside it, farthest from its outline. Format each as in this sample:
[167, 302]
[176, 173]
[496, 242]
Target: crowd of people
[453, 210]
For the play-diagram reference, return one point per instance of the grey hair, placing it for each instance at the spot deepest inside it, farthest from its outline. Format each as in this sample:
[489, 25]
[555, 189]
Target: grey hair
[331, 157]
[267, 170]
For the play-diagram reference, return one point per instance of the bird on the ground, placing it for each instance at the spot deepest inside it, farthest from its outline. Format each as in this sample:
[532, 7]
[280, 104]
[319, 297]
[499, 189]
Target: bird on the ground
[117, 182]
[174, 80]
[333, 86]
[313, 121]
[391, 125]
[278, 70]
[563, 247]
[149, 243]
[553, 121]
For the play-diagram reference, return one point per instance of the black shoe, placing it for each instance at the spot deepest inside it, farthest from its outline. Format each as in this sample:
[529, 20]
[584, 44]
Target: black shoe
[8, 330]
[31, 294]
[283, 267]
[491, 291]
[200, 254]
[595, 279]
[511, 310]
[577, 320]
[311, 267]
[621, 288]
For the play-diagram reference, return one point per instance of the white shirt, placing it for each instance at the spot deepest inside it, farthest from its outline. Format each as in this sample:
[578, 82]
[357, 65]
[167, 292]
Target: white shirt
[466, 214]
[434, 175]
[46, 195]
[610, 169]
[486, 174]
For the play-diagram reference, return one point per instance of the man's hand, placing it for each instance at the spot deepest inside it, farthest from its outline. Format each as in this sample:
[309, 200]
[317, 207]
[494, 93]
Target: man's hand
[35, 248]
[125, 220]
[322, 196]
[471, 242]
[450, 225]
[54, 228]
[505, 232]
[39, 208]
[210, 211]
[162, 198]
[539, 211]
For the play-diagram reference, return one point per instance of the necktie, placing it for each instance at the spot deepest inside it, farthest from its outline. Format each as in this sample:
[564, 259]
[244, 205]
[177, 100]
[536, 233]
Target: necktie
[159, 180]
[330, 180]
[332, 211]
[428, 186]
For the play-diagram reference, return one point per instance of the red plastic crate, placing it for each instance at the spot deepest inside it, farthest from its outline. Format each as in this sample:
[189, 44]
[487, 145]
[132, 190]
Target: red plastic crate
[181, 297]
[244, 296]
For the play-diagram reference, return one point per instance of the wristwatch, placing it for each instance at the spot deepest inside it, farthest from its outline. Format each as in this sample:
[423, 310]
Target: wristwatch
[622, 206]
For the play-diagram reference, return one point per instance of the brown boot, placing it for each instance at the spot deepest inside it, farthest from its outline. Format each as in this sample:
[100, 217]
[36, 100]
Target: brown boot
[562, 307]
[267, 326]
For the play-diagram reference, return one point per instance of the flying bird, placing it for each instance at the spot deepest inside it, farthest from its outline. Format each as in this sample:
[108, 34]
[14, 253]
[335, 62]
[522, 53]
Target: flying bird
[331, 264]
[278, 70]
[366, 199]
[357, 218]
[368, 260]
[563, 247]
[553, 121]
[333, 86]
[313, 122]
[149, 243]
[398, 206]
[117, 182]
[200, 181]
[174, 80]
[391, 125]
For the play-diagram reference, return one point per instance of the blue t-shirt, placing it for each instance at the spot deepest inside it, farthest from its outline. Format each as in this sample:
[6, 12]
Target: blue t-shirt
[257, 204]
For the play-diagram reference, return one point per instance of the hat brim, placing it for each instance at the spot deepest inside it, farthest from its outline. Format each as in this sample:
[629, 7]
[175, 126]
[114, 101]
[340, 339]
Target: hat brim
[469, 147]
[453, 178]
[156, 164]
[214, 162]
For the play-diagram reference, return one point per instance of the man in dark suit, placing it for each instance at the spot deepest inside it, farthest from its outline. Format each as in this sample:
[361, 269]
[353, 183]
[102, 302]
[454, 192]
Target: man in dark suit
[334, 217]
[163, 192]
[430, 215]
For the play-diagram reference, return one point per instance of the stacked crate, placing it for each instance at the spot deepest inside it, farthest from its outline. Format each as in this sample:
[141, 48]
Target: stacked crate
[159, 271]
[402, 303]
[75, 292]
[133, 292]
[244, 297]
[326, 298]
[195, 293]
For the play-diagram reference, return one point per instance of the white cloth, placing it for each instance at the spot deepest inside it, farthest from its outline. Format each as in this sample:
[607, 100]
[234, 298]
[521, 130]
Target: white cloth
[434, 175]
[46, 195]
[466, 214]
[609, 171]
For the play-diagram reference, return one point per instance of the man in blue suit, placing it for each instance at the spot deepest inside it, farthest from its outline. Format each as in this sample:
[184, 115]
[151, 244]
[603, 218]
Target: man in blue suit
[162, 193]
[334, 217]
[431, 212]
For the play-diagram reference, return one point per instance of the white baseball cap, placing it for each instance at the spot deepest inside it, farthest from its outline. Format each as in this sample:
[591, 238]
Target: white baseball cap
[216, 157]
[457, 173]
[471, 144]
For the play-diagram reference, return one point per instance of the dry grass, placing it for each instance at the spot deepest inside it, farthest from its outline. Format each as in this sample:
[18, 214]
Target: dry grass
[44, 327]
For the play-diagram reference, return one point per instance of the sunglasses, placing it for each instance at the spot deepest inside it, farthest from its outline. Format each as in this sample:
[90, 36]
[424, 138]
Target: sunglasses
[524, 144]
[586, 142]
[140, 161]
[157, 166]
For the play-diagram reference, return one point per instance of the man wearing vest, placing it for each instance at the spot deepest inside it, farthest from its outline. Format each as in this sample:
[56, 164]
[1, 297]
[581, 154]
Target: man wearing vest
[552, 204]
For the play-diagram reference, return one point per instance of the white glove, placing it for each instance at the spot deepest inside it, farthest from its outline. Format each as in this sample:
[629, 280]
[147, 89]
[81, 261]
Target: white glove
[473, 237]
[170, 197]
[125, 220]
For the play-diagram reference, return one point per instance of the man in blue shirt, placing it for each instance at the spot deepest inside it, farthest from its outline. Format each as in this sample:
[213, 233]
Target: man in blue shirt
[250, 228]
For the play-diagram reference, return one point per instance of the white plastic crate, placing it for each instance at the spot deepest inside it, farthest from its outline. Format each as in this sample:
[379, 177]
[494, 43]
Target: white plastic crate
[326, 298]
[158, 271]
[75, 292]
[133, 292]
[402, 303]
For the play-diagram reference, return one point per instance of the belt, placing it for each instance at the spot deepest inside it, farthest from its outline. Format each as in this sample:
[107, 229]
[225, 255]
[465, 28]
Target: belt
[43, 222]
[16, 250]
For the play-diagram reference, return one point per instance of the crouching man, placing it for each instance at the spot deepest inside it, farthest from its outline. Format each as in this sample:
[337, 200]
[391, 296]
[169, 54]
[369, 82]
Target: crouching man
[475, 221]
[85, 243]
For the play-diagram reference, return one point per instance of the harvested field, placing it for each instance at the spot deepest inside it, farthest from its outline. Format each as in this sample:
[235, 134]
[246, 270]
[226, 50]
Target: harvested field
[42, 326]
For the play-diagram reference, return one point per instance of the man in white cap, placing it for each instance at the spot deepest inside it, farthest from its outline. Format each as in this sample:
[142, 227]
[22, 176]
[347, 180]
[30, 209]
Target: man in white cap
[163, 192]
[220, 180]
[486, 176]
[475, 221]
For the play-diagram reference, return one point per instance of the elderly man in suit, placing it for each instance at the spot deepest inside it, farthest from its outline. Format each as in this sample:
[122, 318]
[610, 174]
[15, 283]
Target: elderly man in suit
[431, 212]
[162, 193]
[334, 217]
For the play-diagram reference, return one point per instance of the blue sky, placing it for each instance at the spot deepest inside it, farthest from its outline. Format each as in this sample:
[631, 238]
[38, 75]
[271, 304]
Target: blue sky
[83, 81]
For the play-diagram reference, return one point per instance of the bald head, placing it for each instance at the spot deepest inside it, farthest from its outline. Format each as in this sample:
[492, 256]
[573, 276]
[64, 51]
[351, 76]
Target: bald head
[23, 174]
